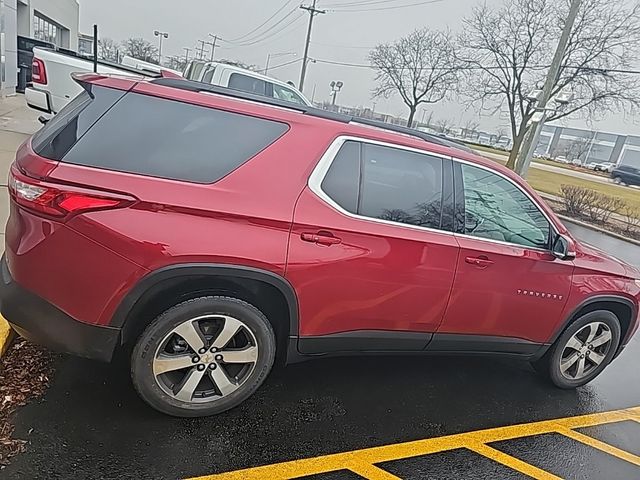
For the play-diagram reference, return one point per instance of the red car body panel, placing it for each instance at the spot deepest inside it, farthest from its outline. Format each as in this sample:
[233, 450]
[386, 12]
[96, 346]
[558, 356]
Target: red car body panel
[379, 277]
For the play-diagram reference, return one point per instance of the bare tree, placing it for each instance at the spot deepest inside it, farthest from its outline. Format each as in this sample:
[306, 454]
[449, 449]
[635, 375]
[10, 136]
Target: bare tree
[420, 67]
[444, 125]
[578, 149]
[506, 52]
[176, 63]
[141, 49]
[108, 49]
[471, 128]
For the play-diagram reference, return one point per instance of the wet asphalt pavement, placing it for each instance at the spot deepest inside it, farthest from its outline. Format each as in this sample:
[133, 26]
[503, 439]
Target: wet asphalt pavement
[92, 425]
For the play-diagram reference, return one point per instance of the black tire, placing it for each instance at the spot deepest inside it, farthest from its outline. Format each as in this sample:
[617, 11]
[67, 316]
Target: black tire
[549, 365]
[144, 352]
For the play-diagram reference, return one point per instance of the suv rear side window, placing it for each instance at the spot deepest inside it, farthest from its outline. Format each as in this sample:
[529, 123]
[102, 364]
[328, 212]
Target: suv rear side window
[62, 132]
[174, 140]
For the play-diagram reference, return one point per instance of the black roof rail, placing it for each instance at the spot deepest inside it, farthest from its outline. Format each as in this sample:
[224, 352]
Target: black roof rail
[193, 86]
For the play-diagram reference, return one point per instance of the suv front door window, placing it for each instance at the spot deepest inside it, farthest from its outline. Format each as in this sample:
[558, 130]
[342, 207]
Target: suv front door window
[498, 210]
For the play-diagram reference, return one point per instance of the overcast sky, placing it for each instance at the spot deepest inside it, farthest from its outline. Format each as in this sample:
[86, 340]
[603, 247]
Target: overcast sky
[339, 35]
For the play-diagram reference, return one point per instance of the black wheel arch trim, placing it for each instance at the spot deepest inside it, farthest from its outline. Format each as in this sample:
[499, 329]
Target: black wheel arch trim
[595, 299]
[207, 269]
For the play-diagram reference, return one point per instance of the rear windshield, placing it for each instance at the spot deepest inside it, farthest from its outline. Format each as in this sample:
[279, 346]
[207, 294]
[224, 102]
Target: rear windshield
[163, 138]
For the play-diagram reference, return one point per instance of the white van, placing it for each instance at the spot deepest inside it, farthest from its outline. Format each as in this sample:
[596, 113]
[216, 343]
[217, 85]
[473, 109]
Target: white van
[230, 76]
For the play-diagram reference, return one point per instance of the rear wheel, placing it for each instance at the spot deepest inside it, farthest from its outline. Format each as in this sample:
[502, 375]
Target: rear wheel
[203, 357]
[583, 350]
[618, 181]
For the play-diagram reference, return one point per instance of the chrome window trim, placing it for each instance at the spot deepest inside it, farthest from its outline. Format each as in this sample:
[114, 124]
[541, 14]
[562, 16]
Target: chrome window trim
[320, 171]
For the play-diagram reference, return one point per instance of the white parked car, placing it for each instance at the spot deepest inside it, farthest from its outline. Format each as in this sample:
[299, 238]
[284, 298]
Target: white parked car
[230, 76]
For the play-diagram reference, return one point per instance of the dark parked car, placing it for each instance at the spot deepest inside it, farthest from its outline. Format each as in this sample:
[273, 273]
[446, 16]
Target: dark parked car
[626, 175]
[205, 233]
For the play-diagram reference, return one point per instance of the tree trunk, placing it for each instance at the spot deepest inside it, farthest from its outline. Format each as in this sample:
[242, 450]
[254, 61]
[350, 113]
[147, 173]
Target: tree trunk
[412, 113]
[515, 149]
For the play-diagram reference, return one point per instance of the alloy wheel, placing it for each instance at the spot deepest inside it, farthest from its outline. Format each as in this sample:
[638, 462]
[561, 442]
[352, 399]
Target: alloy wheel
[585, 351]
[205, 358]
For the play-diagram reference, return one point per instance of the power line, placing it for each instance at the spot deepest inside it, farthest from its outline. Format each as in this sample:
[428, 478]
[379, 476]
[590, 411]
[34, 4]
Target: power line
[361, 3]
[266, 34]
[532, 67]
[285, 64]
[263, 23]
[271, 34]
[350, 10]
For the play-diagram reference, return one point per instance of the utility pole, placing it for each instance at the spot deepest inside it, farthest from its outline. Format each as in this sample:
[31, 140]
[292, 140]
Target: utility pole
[200, 50]
[528, 148]
[186, 54]
[313, 11]
[213, 47]
[213, 44]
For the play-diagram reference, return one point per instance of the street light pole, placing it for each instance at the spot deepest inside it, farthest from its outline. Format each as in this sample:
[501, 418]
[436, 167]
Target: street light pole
[335, 88]
[162, 35]
[528, 147]
[275, 55]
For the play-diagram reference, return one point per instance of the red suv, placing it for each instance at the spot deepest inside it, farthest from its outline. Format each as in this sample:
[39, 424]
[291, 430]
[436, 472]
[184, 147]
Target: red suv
[207, 233]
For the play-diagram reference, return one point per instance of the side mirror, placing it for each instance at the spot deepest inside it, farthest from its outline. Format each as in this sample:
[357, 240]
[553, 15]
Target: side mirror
[563, 248]
[43, 120]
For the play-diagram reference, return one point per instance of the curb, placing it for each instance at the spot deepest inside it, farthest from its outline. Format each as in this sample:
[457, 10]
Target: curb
[6, 335]
[599, 229]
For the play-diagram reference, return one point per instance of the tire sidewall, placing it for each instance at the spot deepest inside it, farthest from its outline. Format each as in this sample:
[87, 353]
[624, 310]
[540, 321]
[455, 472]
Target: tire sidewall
[144, 353]
[603, 316]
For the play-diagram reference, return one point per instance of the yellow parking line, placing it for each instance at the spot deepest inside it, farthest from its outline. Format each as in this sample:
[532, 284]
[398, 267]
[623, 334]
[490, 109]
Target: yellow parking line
[5, 335]
[512, 462]
[475, 440]
[371, 472]
[605, 447]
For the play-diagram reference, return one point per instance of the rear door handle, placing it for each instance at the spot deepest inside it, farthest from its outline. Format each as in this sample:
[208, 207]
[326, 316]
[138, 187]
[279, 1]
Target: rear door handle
[481, 262]
[321, 238]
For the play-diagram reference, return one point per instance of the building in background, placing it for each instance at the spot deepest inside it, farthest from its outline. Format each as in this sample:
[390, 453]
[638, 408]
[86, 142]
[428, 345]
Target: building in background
[51, 21]
[587, 146]
[85, 44]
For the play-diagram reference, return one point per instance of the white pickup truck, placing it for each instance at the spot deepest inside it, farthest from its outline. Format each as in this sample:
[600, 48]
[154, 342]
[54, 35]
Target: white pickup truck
[53, 86]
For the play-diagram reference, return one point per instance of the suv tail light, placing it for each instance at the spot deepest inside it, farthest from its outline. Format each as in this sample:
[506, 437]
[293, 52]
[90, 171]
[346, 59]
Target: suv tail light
[60, 201]
[38, 71]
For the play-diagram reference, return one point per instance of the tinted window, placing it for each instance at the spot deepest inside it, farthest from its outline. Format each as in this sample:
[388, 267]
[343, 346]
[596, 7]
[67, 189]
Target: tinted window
[498, 210]
[163, 138]
[401, 186]
[343, 178]
[62, 132]
[248, 84]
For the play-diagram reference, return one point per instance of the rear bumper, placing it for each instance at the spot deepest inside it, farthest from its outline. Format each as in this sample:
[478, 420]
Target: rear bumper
[41, 322]
[38, 100]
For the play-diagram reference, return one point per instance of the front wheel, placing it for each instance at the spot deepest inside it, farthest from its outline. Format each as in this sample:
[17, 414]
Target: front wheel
[583, 350]
[203, 356]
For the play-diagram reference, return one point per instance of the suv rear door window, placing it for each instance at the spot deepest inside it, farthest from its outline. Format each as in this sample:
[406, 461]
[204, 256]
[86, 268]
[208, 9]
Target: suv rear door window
[387, 183]
[169, 139]
[401, 186]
